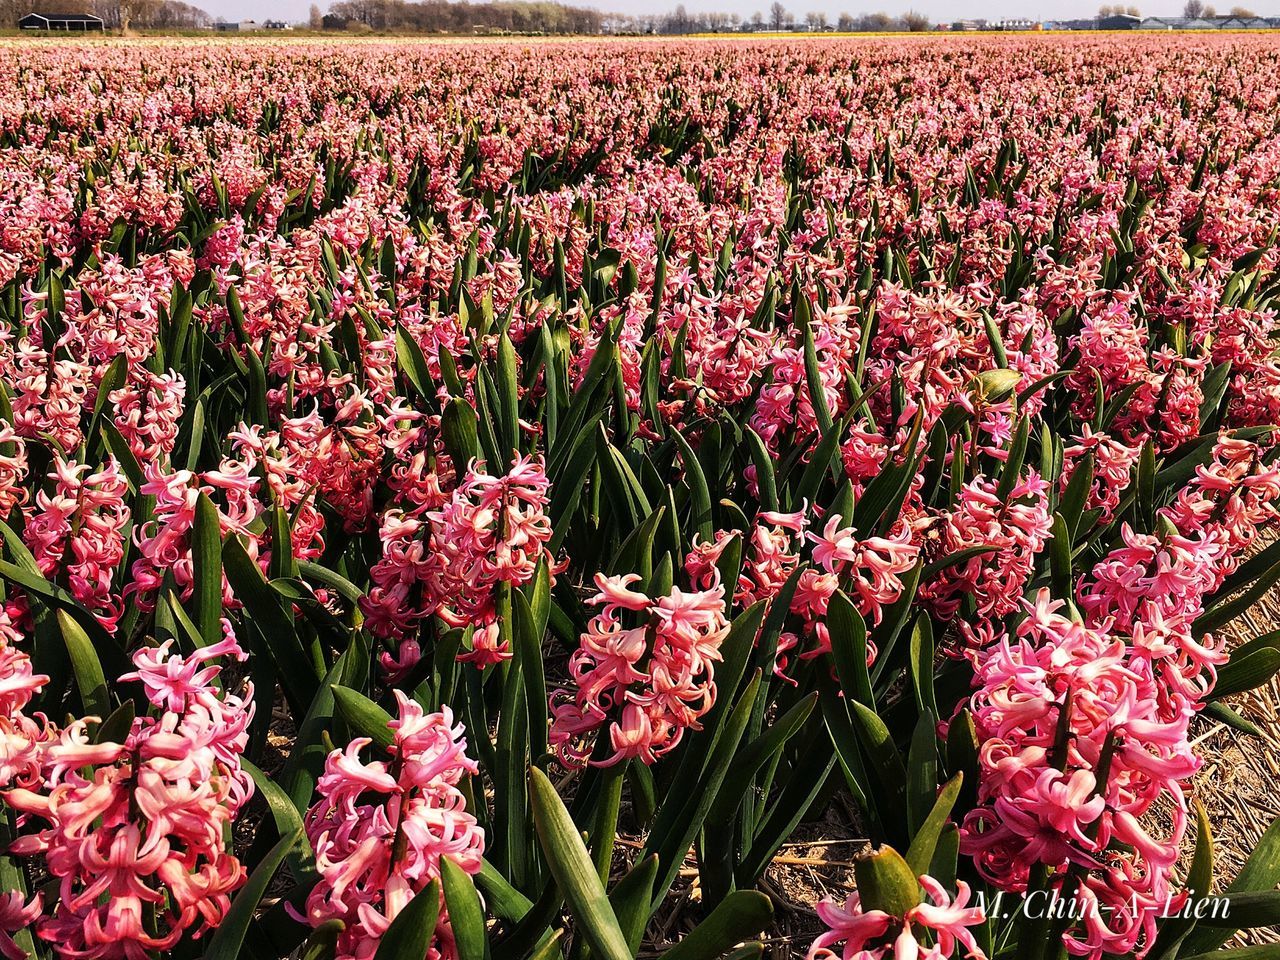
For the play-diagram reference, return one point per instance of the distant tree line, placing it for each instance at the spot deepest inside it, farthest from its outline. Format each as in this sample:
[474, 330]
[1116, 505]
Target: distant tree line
[777, 18]
[443, 16]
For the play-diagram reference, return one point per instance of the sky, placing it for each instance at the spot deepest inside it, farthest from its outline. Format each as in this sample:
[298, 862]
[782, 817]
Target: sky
[937, 10]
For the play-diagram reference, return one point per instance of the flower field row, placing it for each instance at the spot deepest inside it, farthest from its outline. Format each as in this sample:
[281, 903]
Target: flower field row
[423, 466]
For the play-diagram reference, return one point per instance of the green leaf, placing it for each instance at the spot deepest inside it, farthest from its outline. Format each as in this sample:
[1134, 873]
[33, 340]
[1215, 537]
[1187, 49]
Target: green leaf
[365, 717]
[672, 845]
[884, 756]
[323, 942]
[1260, 872]
[413, 365]
[1247, 673]
[228, 938]
[1247, 910]
[766, 479]
[922, 771]
[631, 899]
[466, 916]
[923, 844]
[885, 882]
[574, 871]
[504, 900]
[90, 680]
[742, 914]
[528, 650]
[548, 949]
[458, 427]
[288, 823]
[413, 929]
[1219, 711]
[812, 370]
[699, 493]
[508, 396]
[206, 563]
[848, 634]
[1263, 951]
[274, 622]
[737, 782]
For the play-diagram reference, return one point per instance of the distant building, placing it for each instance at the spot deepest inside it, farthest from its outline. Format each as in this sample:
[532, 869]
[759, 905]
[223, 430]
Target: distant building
[1071, 25]
[250, 26]
[969, 25]
[1015, 23]
[1121, 21]
[1209, 23]
[70, 22]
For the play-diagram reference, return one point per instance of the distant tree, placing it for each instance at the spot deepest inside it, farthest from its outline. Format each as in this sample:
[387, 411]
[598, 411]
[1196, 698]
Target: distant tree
[915, 22]
[778, 15]
[316, 20]
[1133, 11]
[815, 21]
[1210, 12]
[1192, 9]
[1242, 12]
[1104, 11]
[845, 24]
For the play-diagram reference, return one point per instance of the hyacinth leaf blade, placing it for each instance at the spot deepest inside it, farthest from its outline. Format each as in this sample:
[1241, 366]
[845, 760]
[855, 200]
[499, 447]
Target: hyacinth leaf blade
[414, 927]
[574, 871]
[288, 822]
[742, 914]
[365, 717]
[924, 842]
[229, 938]
[206, 546]
[91, 682]
[1199, 884]
[466, 914]
[274, 624]
[1261, 872]
[671, 846]
[323, 942]
[632, 898]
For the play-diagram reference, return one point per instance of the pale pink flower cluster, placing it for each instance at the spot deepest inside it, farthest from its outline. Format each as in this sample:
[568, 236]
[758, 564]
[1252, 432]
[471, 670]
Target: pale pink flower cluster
[645, 670]
[931, 930]
[381, 828]
[135, 831]
[449, 562]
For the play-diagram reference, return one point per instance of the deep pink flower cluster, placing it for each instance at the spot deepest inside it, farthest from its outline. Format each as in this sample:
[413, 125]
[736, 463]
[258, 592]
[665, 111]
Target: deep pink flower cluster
[1009, 532]
[136, 831]
[381, 828]
[78, 531]
[645, 669]
[868, 569]
[450, 561]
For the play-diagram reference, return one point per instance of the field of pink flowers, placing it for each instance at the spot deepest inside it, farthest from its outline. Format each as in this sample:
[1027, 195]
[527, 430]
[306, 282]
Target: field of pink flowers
[421, 465]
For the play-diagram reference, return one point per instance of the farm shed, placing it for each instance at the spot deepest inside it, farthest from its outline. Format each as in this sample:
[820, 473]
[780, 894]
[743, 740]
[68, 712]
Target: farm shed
[72, 22]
